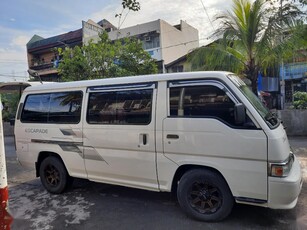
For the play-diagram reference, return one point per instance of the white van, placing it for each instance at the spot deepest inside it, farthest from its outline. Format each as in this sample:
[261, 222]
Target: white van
[204, 135]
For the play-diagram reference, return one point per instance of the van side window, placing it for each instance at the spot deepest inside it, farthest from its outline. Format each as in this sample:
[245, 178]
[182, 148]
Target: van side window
[53, 108]
[201, 101]
[121, 107]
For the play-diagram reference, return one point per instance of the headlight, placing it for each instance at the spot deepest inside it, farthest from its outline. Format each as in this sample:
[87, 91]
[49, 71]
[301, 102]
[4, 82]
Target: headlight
[282, 169]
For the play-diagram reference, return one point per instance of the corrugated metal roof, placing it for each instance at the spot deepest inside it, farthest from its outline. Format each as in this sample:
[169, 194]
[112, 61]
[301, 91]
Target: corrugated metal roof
[56, 39]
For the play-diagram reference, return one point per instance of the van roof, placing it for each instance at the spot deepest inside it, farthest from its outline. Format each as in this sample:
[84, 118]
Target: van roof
[12, 87]
[129, 80]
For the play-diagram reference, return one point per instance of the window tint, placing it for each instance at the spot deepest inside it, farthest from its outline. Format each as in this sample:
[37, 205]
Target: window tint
[122, 107]
[36, 108]
[201, 101]
[53, 108]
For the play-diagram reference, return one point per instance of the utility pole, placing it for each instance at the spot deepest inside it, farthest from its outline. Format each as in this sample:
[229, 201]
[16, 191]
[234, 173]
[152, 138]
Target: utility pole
[5, 217]
[282, 82]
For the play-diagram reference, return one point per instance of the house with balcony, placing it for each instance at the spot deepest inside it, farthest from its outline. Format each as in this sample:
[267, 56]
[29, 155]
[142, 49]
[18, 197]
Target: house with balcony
[42, 54]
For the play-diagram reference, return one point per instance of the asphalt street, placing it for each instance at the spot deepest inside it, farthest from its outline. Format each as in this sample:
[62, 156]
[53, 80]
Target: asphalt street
[90, 205]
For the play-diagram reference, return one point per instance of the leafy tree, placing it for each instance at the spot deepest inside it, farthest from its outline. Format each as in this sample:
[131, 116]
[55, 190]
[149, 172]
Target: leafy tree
[10, 102]
[104, 59]
[252, 39]
[128, 5]
[300, 100]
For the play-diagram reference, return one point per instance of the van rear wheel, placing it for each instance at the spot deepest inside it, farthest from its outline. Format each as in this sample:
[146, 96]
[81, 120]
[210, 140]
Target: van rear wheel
[204, 195]
[53, 175]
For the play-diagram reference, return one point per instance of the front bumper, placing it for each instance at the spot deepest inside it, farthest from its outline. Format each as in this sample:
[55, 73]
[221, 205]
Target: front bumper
[284, 192]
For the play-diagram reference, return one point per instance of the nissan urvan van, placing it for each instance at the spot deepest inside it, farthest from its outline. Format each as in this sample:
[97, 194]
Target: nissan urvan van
[203, 135]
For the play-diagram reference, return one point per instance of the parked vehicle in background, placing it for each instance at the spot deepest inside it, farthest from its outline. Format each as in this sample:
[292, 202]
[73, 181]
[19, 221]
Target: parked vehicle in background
[203, 135]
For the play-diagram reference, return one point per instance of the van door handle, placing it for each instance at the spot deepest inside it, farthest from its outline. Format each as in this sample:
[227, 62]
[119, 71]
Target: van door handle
[144, 139]
[172, 136]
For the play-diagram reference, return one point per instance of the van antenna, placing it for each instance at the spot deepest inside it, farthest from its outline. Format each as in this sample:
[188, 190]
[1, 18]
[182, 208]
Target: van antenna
[35, 74]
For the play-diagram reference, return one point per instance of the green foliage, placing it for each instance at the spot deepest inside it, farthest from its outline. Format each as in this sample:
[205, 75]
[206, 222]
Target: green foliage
[300, 100]
[131, 5]
[10, 103]
[105, 59]
[252, 39]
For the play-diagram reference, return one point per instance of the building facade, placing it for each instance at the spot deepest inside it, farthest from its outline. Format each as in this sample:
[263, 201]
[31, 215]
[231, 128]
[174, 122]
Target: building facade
[162, 41]
[294, 76]
[42, 54]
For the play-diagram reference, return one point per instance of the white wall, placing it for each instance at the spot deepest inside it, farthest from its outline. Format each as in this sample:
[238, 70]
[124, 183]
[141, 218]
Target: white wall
[135, 30]
[176, 43]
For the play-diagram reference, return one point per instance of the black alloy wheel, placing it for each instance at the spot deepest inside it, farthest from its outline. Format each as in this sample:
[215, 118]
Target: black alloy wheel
[53, 175]
[205, 198]
[204, 195]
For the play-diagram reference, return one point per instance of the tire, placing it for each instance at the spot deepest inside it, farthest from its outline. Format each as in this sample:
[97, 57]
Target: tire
[53, 175]
[204, 195]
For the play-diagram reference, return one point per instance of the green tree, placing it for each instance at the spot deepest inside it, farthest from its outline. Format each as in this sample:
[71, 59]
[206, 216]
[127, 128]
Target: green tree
[128, 5]
[300, 100]
[104, 59]
[10, 102]
[252, 39]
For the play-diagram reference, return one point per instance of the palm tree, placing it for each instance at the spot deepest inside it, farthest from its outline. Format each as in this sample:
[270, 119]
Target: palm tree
[252, 39]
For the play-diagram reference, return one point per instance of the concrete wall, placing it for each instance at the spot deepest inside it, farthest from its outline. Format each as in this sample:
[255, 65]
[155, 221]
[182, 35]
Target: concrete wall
[177, 42]
[8, 129]
[295, 121]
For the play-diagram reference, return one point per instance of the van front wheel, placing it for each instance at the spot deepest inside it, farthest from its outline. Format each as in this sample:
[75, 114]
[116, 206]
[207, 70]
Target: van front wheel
[204, 195]
[53, 175]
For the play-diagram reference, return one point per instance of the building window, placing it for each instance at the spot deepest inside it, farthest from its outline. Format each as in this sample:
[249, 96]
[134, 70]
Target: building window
[177, 68]
[150, 42]
[121, 107]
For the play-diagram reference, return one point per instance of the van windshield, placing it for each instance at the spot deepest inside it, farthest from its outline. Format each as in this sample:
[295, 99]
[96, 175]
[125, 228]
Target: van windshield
[269, 117]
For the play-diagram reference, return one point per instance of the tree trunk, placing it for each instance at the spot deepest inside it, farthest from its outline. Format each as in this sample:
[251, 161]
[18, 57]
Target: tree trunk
[254, 85]
[252, 74]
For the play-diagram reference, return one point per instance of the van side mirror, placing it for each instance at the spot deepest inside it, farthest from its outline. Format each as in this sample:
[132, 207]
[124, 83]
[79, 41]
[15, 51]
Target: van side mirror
[240, 114]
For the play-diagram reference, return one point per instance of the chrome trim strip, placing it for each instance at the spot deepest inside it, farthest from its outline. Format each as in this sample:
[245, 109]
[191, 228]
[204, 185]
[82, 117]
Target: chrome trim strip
[56, 142]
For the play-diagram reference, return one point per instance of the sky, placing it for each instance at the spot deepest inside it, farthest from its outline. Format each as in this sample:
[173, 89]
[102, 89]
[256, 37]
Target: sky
[21, 19]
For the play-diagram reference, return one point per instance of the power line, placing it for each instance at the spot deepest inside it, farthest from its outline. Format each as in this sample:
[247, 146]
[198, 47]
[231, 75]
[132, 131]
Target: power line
[207, 14]
[14, 73]
[11, 61]
[6, 75]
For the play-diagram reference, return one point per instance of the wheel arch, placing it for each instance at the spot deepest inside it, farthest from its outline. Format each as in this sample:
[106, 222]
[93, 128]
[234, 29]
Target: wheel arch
[42, 156]
[185, 168]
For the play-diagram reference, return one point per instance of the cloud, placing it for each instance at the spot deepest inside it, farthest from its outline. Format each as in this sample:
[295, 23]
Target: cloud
[191, 11]
[13, 41]
[20, 41]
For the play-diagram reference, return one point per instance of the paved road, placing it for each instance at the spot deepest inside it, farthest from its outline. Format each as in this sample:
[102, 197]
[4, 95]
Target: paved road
[91, 205]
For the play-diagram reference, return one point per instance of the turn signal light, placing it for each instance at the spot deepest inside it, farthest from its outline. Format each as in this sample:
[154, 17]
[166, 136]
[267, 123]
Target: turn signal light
[282, 169]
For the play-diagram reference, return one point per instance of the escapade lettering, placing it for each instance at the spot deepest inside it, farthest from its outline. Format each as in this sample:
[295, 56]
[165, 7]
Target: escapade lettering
[31, 130]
